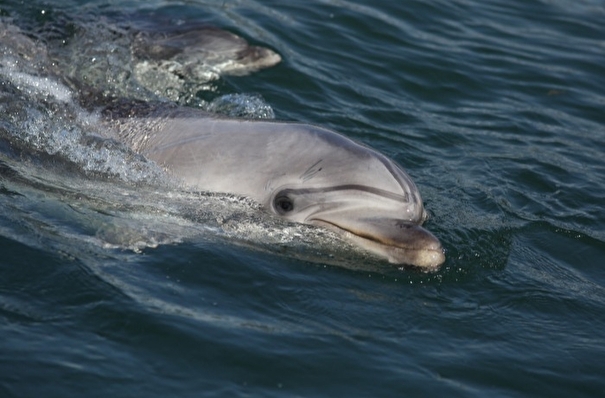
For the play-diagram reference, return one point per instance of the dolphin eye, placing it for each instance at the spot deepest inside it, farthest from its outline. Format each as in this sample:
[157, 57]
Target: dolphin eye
[283, 204]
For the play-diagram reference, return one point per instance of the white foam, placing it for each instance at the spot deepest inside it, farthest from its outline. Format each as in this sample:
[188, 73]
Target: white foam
[35, 84]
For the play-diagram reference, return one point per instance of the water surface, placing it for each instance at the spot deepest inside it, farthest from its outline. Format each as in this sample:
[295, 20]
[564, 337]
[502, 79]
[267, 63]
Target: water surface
[115, 282]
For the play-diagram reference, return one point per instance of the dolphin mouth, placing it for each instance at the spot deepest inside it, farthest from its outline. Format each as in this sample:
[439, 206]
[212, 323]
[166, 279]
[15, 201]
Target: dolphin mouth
[400, 242]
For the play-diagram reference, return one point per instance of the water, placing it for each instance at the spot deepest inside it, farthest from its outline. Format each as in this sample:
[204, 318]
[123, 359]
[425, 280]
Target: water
[114, 281]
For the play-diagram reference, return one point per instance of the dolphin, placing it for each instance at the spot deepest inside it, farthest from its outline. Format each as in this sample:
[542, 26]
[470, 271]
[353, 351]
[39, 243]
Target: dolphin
[300, 172]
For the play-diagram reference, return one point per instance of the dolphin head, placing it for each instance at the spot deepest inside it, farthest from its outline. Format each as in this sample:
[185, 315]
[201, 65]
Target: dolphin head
[359, 193]
[304, 174]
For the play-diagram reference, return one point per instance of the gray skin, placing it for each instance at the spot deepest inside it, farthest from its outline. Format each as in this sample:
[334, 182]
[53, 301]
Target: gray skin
[300, 172]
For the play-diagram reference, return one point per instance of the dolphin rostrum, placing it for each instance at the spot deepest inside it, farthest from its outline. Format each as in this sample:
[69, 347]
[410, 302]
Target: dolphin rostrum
[300, 172]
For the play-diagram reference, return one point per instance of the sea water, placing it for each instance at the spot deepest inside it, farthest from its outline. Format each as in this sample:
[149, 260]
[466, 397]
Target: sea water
[117, 281]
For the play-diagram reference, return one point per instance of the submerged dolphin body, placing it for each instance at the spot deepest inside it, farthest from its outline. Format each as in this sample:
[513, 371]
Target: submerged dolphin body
[300, 172]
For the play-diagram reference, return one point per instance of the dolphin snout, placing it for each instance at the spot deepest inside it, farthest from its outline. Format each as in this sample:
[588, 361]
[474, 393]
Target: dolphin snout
[418, 247]
[403, 242]
[400, 241]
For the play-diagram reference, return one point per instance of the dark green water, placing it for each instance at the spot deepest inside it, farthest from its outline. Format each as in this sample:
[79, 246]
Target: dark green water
[495, 108]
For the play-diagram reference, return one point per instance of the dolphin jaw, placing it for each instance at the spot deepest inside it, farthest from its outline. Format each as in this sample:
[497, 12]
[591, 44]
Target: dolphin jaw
[425, 252]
